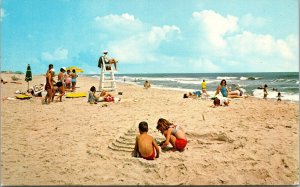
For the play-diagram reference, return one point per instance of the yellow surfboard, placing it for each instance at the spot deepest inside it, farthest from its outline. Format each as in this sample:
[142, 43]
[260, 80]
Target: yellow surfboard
[22, 96]
[75, 95]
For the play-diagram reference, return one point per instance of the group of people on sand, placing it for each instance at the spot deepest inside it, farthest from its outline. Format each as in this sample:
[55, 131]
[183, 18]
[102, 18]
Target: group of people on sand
[65, 82]
[222, 94]
[146, 146]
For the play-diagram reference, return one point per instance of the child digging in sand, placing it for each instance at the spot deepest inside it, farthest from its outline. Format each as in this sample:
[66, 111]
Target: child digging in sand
[145, 145]
[173, 133]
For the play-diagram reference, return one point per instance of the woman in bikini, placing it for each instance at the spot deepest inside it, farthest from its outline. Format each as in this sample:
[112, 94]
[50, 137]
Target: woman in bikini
[174, 134]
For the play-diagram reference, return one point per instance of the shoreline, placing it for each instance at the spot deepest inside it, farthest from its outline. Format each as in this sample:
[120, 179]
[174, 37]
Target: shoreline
[252, 141]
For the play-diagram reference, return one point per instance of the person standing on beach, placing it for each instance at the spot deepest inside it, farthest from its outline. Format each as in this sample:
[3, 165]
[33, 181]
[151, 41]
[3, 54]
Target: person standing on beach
[49, 86]
[73, 76]
[265, 91]
[145, 145]
[174, 134]
[68, 80]
[60, 84]
[279, 96]
[204, 87]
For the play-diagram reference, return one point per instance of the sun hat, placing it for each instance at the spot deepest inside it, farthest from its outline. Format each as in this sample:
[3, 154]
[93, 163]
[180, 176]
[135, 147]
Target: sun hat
[105, 52]
[64, 68]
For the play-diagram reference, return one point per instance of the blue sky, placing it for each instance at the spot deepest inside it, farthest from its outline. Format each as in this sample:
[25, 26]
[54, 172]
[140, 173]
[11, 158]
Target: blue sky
[170, 36]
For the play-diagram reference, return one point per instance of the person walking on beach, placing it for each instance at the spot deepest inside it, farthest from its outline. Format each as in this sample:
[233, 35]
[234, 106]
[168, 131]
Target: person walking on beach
[145, 145]
[204, 88]
[60, 84]
[73, 76]
[265, 91]
[174, 134]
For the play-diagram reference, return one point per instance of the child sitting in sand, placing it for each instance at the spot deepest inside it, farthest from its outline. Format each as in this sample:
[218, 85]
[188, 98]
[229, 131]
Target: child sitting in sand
[173, 133]
[145, 145]
[223, 101]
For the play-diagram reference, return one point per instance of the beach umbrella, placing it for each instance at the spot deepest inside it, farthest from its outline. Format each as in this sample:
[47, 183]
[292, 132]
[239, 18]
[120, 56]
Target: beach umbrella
[77, 69]
[28, 76]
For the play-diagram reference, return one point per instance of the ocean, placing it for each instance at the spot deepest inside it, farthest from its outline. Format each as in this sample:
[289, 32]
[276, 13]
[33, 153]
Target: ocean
[285, 82]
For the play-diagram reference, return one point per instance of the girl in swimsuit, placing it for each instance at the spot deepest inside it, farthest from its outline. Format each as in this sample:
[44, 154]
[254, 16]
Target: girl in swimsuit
[68, 80]
[173, 133]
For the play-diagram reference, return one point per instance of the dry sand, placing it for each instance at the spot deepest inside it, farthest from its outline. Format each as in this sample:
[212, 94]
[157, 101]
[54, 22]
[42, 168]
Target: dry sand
[253, 141]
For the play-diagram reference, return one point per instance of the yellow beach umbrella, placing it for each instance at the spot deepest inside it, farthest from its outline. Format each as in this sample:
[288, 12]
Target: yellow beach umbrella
[77, 69]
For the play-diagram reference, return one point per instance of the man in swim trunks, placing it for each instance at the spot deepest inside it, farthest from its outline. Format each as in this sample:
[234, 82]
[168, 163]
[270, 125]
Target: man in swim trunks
[145, 144]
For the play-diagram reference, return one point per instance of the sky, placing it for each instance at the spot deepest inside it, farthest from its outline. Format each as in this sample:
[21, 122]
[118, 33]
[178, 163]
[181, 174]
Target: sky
[151, 36]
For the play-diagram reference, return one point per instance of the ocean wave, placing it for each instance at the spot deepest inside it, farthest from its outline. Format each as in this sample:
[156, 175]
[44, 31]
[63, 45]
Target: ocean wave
[250, 78]
[226, 78]
[273, 95]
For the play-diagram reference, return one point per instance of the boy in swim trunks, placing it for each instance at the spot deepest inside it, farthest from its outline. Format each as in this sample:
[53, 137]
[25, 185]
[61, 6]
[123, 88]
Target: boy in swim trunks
[145, 144]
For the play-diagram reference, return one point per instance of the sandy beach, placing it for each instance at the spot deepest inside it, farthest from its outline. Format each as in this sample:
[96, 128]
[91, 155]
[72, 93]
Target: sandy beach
[250, 142]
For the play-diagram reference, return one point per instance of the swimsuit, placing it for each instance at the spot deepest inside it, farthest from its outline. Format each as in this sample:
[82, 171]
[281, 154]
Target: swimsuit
[180, 144]
[152, 156]
[224, 91]
[68, 80]
[59, 84]
[73, 80]
[47, 86]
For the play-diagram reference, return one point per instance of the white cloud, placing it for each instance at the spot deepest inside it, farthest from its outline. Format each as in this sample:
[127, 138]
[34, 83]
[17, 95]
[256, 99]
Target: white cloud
[248, 43]
[214, 27]
[249, 20]
[130, 40]
[221, 37]
[58, 54]
[124, 23]
[2, 14]
[216, 43]
[141, 47]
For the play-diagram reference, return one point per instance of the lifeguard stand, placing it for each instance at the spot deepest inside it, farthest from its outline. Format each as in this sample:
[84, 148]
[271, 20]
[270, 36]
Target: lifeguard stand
[107, 69]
